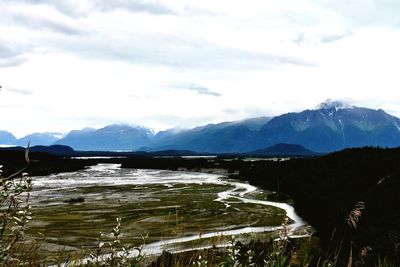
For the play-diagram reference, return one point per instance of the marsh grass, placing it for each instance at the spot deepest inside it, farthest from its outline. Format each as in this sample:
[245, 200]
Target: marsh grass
[112, 250]
[280, 251]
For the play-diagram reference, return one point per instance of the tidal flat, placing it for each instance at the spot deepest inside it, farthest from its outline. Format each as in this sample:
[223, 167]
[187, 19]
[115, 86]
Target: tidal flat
[178, 210]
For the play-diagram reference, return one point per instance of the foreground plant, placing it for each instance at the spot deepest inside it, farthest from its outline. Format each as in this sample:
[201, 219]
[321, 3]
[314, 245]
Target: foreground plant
[14, 212]
[115, 252]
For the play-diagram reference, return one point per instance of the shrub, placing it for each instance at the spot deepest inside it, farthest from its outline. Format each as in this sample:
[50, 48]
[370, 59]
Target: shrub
[14, 211]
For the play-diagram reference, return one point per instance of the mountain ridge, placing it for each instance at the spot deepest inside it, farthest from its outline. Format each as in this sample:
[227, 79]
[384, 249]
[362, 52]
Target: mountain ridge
[331, 129]
[114, 137]
[224, 137]
[331, 126]
[7, 138]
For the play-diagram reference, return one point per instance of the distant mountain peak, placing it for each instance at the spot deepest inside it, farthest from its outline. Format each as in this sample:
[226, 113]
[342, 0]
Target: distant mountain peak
[86, 129]
[127, 127]
[113, 137]
[44, 138]
[334, 104]
[7, 138]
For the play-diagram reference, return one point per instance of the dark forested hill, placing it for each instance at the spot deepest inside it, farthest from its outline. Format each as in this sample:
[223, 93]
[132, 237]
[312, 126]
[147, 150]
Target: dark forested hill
[325, 190]
[283, 150]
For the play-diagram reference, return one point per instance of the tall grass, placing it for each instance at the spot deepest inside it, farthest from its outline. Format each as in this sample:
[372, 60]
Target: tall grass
[14, 212]
[283, 251]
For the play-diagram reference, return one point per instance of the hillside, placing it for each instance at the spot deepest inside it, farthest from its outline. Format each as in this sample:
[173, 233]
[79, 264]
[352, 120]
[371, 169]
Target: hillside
[228, 137]
[332, 126]
[283, 150]
[325, 190]
[44, 139]
[110, 138]
[7, 138]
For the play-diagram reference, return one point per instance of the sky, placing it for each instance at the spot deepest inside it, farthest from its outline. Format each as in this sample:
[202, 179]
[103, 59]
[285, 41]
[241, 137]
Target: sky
[177, 63]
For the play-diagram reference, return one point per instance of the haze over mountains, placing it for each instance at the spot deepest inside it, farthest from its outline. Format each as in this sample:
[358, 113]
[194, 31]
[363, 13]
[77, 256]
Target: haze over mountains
[331, 126]
[236, 136]
[45, 139]
[112, 137]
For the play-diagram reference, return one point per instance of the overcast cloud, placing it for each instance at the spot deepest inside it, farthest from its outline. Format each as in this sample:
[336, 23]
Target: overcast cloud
[71, 64]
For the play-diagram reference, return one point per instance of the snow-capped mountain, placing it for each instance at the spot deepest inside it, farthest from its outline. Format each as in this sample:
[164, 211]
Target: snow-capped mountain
[332, 126]
[334, 104]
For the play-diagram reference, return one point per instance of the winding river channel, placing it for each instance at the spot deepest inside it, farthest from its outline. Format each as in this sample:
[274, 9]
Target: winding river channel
[178, 210]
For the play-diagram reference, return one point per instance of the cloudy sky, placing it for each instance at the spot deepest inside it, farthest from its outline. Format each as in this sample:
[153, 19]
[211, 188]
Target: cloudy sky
[163, 63]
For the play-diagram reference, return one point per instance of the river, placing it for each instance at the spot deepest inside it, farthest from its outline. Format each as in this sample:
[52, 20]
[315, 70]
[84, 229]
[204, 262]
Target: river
[178, 210]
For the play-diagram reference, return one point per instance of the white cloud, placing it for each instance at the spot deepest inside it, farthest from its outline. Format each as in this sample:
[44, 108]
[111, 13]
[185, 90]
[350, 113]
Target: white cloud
[71, 64]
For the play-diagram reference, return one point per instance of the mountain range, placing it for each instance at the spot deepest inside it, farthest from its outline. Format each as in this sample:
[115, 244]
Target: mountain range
[45, 139]
[225, 137]
[112, 137]
[331, 126]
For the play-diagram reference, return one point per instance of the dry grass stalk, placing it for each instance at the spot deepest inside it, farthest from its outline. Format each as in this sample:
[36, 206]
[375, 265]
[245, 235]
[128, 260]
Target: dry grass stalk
[355, 214]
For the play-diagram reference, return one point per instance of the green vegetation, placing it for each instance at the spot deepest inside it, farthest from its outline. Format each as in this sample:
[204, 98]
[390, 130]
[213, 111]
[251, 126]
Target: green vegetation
[326, 189]
[40, 164]
[350, 196]
[154, 210]
[14, 211]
